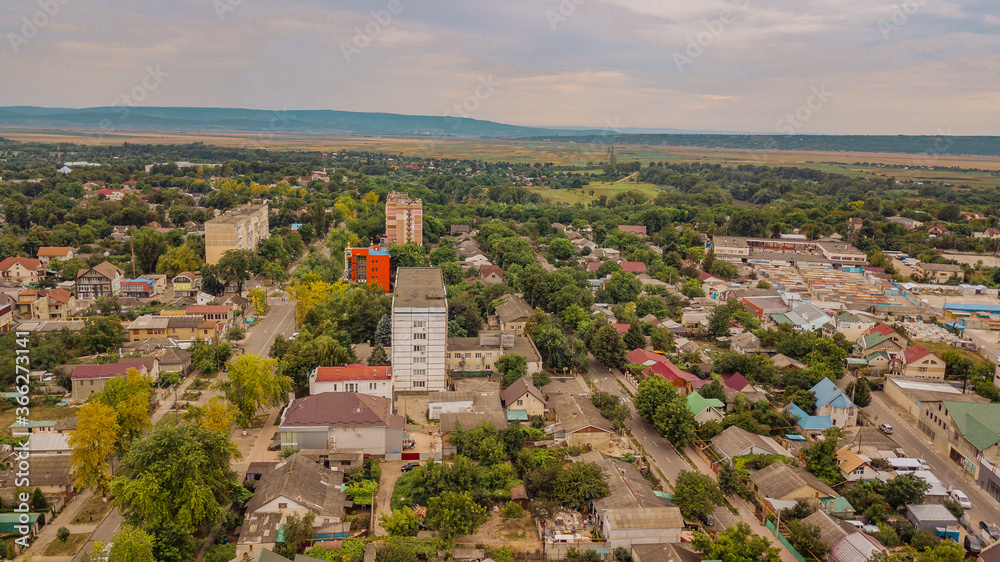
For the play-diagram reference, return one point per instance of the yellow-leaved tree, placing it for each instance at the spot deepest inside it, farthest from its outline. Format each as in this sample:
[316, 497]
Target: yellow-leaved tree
[311, 292]
[93, 442]
[252, 385]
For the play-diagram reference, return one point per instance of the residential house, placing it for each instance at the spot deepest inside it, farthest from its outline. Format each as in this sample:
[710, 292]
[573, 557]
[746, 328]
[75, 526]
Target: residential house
[522, 395]
[782, 481]
[965, 431]
[638, 230]
[449, 402]
[512, 315]
[695, 317]
[813, 426]
[939, 272]
[878, 360]
[48, 253]
[784, 362]
[886, 330]
[938, 230]
[918, 362]
[491, 275]
[223, 314]
[652, 362]
[37, 304]
[6, 317]
[137, 288]
[342, 420]
[705, 409]
[870, 343]
[991, 232]
[831, 530]
[831, 401]
[184, 327]
[850, 325]
[808, 317]
[149, 364]
[673, 552]
[746, 343]
[459, 229]
[373, 380]
[186, 284]
[473, 356]
[737, 442]
[910, 224]
[855, 547]
[419, 330]
[633, 267]
[623, 528]
[296, 486]
[929, 517]
[25, 271]
[582, 423]
[854, 467]
[51, 474]
[174, 360]
[101, 280]
[88, 379]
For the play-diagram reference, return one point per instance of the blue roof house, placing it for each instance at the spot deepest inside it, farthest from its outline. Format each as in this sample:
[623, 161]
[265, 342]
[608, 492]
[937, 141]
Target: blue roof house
[831, 401]
[814, 426]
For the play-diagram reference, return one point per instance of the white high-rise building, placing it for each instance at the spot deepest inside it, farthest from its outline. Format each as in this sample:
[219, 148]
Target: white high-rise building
[419, 330]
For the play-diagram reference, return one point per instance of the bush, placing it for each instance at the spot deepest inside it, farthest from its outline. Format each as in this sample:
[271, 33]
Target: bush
[220, 553]
[540, 379]
[63, 534]
[512, 511]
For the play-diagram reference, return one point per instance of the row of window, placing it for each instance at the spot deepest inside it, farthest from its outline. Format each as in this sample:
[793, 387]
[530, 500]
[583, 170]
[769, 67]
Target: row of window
[469, 354]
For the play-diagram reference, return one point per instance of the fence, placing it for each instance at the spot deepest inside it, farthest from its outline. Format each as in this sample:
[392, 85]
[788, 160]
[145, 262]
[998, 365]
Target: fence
[784, 541]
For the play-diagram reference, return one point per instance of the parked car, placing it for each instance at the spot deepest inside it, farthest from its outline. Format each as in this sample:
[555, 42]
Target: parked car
[961, 498]
[972, 545]
[710, 520]
[409, 466]
[886, 429]
[989, 529]
[293, 336]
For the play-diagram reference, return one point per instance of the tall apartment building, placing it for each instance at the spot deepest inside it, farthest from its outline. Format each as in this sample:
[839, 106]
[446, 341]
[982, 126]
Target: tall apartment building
[239, 229]
[419, 329]
[404, 219]
[367, 265]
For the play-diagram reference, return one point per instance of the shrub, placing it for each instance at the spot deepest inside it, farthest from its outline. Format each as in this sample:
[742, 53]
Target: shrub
[63, 534]
[512, 511]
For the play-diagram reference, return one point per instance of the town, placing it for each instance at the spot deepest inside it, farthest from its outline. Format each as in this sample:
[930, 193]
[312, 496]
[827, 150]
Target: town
[254, 355]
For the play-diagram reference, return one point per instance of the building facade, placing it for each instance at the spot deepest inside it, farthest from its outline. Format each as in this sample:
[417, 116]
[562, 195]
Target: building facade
[365, 379]
[239, 229]
[419, 330]
[101, 280]
[368, 266]
[404, 221]
[25, 271]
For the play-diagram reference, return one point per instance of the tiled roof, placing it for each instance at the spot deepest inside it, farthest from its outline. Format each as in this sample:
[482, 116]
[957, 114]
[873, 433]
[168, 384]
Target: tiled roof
[780, 479]
[105, 371]
[514, 309]
[805, 421]
[576, 413]
[735, 381]
[353, 372]
[633, 266]
[914, 353]
[517, 389]
[978, 422]
[208, 309]
[27, 263]
[856, 547]
[848, 461]
[306, 483]
[340, 409]
[53, 251]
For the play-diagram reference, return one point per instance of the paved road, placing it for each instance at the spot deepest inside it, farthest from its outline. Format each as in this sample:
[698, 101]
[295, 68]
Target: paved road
[664, 457]
[916, 444]
[280, 320]
[104, 533]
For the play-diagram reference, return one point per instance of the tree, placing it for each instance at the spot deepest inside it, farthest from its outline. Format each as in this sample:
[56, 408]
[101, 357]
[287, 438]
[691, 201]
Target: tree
[252, 385]
[862, 393]
[821, 459]
[62, 534]
[174, 481]
[407, 255]
[697, 495]
[220, 553]
[214, 416]
[129, 396]
[401, 523]
[807, 539]
[608, 347]
[178, 259]
[692, 289]
[579, 483]
[378, 357]
[653, 392]
[732, 480]
[713, 390]
[676, 423]
[38, 501]
[235, 333]
[236, 267]
[395, 552]
[718, 322]
[131, 545]
[905, 489]
[149, 245]
[561, 249]
[210, 357]
[736, 544]
[93, 444]
[453, 514]
[633, 337]
[212, 280]
[383, 332]
[622, 287]
[748, 221]
[662, 339]
[298, 534]
[102, 334]
[511, 367]
[540, 379]
[611, 408]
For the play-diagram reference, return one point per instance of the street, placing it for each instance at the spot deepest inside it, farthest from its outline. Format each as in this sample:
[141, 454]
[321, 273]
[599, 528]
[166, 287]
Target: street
[916, 444]
[670, 463]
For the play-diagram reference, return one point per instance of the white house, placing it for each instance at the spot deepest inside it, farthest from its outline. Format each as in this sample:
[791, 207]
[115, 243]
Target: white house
[448, 402]
[376, 381]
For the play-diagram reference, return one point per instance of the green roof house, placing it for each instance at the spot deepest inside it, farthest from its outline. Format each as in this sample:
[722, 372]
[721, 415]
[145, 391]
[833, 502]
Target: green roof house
[965, 431]
[705, 409]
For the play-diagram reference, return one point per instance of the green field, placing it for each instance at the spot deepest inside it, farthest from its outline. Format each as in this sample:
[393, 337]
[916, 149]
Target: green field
[572, 196]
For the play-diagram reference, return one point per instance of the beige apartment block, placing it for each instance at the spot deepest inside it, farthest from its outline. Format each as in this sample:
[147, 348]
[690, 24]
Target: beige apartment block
[239, 229]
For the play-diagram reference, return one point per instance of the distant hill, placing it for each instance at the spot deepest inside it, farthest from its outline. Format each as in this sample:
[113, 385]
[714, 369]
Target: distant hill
[328, 122]
[922, 144]
[255, 121]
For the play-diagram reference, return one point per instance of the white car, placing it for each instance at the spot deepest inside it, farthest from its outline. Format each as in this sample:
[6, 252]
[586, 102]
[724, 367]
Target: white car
[961, 498]
[293, 336]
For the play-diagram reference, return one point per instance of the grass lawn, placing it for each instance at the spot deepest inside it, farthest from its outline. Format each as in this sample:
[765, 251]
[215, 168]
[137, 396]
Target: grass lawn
[582, 195]
[92, 513]
[37, 412]
[69, 547]
[941, 347]
[170, 418]
[401, 490]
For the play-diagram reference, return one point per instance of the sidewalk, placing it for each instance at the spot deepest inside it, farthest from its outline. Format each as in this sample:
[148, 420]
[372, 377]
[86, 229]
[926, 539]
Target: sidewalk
[48, 532]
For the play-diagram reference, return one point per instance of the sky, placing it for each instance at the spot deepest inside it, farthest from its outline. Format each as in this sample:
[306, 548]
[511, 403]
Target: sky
[766, 66]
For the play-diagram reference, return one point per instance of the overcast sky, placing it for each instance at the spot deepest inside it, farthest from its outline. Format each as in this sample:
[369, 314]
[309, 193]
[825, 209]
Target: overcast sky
[843, 66]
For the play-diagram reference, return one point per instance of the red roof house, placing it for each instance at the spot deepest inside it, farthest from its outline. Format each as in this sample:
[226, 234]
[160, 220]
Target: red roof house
[633, 266]
[632, 229]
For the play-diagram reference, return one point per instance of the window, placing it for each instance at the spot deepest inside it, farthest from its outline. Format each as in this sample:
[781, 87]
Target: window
[520, 402]
[419, 336]
[282, 506]
[372, 385]
[420, 372]
[419, 359]
[479, 355]
[418, 384]
[418, 348]
[351, 387]
[489, 355]
[468, 355]
[419, 324]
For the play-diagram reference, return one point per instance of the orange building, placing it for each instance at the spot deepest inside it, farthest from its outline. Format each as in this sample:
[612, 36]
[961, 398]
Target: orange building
[367, 265]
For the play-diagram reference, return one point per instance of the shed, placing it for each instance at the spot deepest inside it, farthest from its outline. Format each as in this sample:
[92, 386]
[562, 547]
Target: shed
[928, 517]
[519, 495]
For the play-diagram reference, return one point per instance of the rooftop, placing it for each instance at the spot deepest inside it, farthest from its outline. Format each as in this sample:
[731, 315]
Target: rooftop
[645, 518]
[419, 287]
[353, 372]
[238, 214]
[304, 482]
[979, 423]
[780, 479]
[340, 409]
[576, 413]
